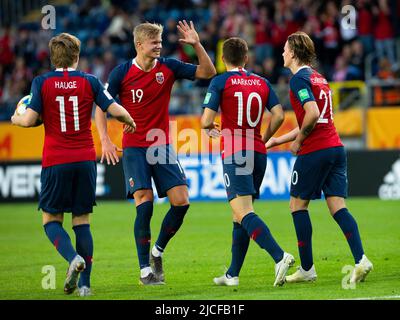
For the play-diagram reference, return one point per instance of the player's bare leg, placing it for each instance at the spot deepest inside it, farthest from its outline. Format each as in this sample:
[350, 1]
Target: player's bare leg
[142, 196]
[50, 217]
[302, 223]
[179, 195]
[347, 223]
[84, 247]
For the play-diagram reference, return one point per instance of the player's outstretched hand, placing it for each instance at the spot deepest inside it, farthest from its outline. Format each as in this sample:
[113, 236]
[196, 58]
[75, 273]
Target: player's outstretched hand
[214, 132]
[109, 152]
[189, 34]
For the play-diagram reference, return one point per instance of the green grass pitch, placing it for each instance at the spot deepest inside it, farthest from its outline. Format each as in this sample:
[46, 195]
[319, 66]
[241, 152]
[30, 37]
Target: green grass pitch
[200, 251]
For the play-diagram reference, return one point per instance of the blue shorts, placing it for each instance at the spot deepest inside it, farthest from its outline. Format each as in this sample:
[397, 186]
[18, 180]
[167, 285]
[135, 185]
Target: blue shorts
[243, 178]
[69, 187]
[160, 163]
[323, 170]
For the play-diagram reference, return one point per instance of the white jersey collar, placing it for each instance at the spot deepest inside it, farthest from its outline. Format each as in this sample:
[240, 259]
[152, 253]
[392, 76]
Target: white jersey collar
[238, 70]
[140, 68]
[62, 69]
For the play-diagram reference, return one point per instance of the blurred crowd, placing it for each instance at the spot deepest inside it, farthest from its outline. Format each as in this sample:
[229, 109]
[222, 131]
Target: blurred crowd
[369, 48]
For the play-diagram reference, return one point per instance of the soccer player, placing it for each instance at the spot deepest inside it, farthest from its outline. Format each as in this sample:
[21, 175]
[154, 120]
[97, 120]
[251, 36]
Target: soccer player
[63, 99]
[144, 86]
[321, 159]
[242, 97]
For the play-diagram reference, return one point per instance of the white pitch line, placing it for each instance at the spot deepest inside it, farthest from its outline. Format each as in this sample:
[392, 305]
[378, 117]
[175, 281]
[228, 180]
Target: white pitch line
[374, 298]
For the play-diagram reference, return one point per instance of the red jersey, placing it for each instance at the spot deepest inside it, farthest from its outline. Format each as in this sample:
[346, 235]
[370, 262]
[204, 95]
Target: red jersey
[308, 85]
[146, 96]
[65, 99]
[242, 97]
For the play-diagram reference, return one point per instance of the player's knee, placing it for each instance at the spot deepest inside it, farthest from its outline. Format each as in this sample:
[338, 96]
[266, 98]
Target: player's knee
[292, 207]
[239, 215]
[80, 219]
[48, 217]
[335, 204]
[296, 207]
[180, 201]
[142, 196]
[296, 204]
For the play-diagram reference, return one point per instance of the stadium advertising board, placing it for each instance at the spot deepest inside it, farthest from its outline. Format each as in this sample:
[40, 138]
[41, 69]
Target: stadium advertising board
[374, 173]
[20, 181]
[370, 174]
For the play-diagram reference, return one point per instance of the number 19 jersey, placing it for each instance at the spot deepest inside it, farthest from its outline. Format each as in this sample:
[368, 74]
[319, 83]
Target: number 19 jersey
[146, 95]
[308, 85]
[64, 98]
[242, 97]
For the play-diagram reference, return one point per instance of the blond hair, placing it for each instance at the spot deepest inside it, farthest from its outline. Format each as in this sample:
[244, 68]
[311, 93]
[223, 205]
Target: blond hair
[64, 50]
[146, 30]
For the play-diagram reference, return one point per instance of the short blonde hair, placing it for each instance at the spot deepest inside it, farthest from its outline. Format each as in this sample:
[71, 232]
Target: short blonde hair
[146, 30]
[64, 50]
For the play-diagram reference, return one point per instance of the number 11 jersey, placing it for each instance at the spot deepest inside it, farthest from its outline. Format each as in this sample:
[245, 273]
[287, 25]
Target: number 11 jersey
[64, 98]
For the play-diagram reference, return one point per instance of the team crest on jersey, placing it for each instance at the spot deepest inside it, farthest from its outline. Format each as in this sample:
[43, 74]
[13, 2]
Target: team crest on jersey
[160, 77]
[131, 182]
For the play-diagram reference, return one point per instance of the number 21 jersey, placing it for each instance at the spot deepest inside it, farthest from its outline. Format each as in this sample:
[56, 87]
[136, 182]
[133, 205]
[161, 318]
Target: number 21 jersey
[308, 85]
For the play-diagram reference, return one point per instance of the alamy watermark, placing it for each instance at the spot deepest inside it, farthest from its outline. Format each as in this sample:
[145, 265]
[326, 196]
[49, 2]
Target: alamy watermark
[349, 17]
[237, 146]
[49, 20]
[49, 280]
[346, 283]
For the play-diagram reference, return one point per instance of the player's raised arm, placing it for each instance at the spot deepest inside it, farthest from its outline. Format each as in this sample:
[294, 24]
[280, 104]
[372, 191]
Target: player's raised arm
[205, 69]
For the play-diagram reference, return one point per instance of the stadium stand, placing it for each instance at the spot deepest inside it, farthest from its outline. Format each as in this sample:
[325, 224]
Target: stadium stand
[363, 53]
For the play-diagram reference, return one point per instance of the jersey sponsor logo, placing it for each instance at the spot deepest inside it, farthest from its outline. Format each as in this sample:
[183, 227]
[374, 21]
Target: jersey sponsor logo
[160, 77]
[390, 189]
[303, 94]
[246, 82]
[207, 98]
[65, 85]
